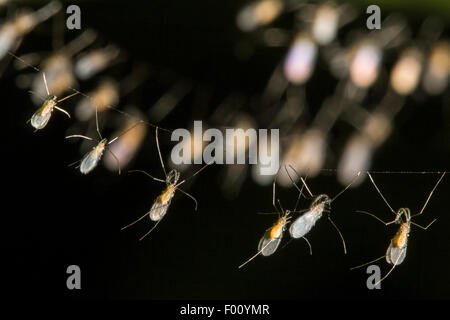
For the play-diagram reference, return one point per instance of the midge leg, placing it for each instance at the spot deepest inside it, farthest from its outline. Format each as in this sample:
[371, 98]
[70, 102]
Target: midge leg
[374, 216]
[79, 136]
[63, 111]
[424, 228]
[384, 199]
[429, 196]
[117, 160]
[190, 196]
[149, 175]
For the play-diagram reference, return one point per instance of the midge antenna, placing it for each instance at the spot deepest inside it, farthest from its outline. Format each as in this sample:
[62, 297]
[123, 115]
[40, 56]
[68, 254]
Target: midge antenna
[162, 202]
[396, 251]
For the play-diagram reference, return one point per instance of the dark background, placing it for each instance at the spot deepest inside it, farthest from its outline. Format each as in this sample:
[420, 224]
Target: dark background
[53, 216]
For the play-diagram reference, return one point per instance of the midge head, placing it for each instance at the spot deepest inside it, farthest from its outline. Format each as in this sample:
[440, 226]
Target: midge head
[322, 200]
[52, 98]
[172, 177]
[403, 215]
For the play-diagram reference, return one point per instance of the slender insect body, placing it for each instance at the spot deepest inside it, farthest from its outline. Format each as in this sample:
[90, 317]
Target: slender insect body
[272, 237]
[321, 203]
[90, 160]
[162, 203]
[41, 117]
[303, 224]
[396, 251]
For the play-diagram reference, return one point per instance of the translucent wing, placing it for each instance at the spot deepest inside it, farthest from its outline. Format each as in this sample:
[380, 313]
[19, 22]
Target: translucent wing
[158, 210]
[268, 246]
[395, 255]
[303, 224]
[40, 118]
[89, 161]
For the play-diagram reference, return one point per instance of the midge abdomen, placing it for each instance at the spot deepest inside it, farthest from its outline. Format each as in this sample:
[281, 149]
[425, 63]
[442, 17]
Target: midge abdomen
[90, 161]
[41, 117]
[396, 251]
[161, 204]
[401, 237]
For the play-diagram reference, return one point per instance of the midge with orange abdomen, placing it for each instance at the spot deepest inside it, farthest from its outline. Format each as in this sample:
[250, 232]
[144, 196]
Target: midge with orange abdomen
[272, 237]
[162, 202]
[396, 251]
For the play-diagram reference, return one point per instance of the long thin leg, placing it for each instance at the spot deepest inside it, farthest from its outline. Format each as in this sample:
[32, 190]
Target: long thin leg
[196, 173]
[63, 111]
[273, 196]
[117, 160]
[159, 153]
[135, 221]
[374, 216]
[125, 131]
[429, 196]
[190, 196]
[96, 123]
[348, 186]
[300, 190]
[45, 83]
[160, 180]
[387, 274]
[140, 239]
[74, 163]
[375, 185]
[370, 262]
[303, 181]
[78, 136]
[309, 245]
[68, 97]
[340, 234]
[255, 255]
[424, 228]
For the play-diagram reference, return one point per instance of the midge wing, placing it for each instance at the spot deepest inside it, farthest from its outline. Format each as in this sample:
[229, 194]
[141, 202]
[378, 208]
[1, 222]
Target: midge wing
[158, 209]
[89, 161]
[268, 246]
[40, 118]
[395, 255]
[303, 224]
